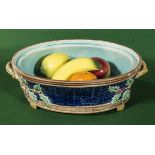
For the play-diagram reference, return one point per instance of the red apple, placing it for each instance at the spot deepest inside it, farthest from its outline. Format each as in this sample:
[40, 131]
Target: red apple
[104, 68]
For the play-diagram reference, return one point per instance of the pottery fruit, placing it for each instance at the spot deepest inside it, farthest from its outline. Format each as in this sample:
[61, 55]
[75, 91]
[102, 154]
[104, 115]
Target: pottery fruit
[82, 76]
[52, 62]
[74, 66]
[104, 69]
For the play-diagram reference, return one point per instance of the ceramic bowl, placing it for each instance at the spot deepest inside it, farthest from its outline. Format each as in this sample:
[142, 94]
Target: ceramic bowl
[82, 96]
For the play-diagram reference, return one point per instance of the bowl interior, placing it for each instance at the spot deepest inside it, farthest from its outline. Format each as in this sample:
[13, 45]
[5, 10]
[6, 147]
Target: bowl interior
[121, 59]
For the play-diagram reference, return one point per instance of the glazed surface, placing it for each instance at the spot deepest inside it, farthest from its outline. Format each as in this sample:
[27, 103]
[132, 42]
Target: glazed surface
[121, 58]
[85, 96]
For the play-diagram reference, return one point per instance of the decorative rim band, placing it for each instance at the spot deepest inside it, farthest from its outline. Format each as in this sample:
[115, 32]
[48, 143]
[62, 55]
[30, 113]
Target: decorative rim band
[77, 109]
[105, 81]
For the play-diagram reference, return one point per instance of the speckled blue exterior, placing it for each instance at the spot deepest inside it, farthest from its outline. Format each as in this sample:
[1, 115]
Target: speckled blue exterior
[86, 96]
[27, 64]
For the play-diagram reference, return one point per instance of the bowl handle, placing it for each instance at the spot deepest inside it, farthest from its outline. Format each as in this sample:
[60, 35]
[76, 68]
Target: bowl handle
[10, 70]
[143, 70]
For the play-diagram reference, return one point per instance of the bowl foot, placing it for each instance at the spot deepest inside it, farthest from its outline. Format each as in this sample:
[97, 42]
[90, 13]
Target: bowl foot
[78, 109]
[33, 105]
[120, 107]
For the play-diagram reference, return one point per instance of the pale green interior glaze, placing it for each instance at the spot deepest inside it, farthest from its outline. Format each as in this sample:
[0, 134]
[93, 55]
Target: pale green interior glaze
[122, 59]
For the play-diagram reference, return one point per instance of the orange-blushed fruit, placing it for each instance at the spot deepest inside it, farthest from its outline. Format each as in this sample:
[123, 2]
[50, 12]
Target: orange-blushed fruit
[83, 76]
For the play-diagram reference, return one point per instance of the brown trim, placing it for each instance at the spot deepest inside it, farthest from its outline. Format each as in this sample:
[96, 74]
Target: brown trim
[78, 109]
[106, 81]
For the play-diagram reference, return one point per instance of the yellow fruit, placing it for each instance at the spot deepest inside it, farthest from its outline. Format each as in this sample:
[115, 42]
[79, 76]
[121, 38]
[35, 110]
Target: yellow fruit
[83, 76]
[74, 66]
[52, 62]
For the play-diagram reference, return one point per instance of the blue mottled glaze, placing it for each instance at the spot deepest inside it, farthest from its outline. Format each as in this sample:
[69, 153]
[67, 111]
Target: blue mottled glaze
[122, 60]
[88, 96]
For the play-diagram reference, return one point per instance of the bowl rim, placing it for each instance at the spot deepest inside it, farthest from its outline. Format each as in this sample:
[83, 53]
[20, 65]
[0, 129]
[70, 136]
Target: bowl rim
[105, 81]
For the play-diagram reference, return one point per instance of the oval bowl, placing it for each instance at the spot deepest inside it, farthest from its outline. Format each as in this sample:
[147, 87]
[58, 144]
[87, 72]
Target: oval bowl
[79, 97]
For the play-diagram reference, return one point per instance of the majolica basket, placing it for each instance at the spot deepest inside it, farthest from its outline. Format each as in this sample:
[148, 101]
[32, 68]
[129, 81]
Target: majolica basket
[80, 97]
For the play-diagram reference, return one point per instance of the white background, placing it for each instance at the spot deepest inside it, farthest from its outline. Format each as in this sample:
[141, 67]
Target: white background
[77, 14]
[77, 140]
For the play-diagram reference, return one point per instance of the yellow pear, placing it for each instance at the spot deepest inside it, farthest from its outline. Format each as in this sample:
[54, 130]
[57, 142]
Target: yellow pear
[52, 62]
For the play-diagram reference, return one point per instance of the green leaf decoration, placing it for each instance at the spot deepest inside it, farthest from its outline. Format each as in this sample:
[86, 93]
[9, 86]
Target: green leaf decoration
[113, 89]
[129, 82]
[31, 94]
[126, 95]
[23, 81]
[37, 87]
[116, 98]
[45, 99]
